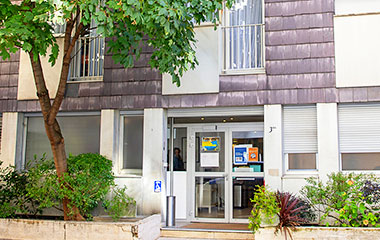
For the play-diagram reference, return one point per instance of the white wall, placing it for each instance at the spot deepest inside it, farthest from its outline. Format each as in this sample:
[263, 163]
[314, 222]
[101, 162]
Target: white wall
[205, 78]
[11, 138]
[154, 150]
[26, 86]
[273, 146]
[357, 50]
[328, 147]
[343, 7]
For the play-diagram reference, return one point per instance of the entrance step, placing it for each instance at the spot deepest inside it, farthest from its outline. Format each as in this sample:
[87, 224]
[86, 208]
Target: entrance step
[193, 231]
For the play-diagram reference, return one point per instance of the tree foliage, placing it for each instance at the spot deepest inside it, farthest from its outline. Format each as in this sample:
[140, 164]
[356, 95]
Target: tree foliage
[166, 25]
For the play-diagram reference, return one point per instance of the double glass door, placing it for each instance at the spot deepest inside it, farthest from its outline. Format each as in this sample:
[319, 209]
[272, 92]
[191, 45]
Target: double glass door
[225, 163]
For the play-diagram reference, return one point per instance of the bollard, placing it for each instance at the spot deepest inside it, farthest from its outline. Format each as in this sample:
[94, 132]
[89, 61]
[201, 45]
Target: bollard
[170, 211]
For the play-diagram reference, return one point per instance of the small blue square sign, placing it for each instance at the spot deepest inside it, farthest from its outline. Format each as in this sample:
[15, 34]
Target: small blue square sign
[157, 186]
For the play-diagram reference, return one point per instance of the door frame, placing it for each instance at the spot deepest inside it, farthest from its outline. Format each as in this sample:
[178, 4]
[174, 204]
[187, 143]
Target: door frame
[227, 128]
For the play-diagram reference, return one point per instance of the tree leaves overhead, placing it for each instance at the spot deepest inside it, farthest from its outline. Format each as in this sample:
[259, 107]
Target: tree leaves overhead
[165, 25]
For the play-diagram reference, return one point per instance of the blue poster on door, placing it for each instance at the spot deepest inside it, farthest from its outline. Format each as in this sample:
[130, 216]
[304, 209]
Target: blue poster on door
[240, 155]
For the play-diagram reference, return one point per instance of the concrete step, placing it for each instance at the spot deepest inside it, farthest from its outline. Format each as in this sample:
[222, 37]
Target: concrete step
[193, 234]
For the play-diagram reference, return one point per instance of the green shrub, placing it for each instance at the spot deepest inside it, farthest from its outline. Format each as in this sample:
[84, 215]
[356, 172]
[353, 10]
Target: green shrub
[265, 207]
[13, 193]
[86, 183]
[120, 204]
[341, 198]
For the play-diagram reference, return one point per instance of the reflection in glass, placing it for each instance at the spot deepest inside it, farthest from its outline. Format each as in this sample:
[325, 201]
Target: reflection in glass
[361, 161]
[209, 197]
[243, 190]
[302, 161]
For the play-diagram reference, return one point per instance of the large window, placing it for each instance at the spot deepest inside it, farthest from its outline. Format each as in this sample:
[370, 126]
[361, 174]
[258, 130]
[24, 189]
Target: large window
[359, 141]
[81, 133]
[300, 137]
[88, 56]
[243, 32]
[132, 140]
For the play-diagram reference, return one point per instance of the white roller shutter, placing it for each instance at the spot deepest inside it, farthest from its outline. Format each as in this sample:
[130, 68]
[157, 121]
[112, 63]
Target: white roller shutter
[216, 112]
[300, 129]
[359, 127]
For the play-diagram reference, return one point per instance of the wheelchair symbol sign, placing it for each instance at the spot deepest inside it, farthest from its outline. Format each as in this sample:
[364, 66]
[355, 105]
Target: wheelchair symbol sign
[157, 186]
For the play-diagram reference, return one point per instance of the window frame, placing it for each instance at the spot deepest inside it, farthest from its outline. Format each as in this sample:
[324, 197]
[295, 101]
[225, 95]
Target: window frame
[77, 63]
[26, 116]
[285, 153]
[375, 172]
[124, 172]
[223, 49]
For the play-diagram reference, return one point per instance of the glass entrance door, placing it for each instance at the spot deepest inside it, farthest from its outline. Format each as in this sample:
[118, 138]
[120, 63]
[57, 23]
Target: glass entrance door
[247, 165]
[209, 176]
[225, 165]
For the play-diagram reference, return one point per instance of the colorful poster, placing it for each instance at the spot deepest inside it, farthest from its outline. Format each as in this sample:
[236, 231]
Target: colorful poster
[253, 154]
[240, 155]
[210, 144]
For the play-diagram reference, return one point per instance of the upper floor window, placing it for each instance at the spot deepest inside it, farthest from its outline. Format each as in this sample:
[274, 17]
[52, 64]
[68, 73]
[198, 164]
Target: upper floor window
[243, 32]
[88, 56]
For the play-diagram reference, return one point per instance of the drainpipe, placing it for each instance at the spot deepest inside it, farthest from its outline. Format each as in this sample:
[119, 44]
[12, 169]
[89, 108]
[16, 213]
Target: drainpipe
[170, 200]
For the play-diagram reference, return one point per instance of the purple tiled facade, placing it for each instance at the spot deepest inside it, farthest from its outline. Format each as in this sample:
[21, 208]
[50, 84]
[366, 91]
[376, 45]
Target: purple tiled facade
[299, 69]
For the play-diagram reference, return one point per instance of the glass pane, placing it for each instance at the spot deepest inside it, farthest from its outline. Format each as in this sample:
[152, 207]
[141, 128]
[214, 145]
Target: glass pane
[180, 149]
[243, 191]
[209, 197]
[302, 161]
[81, 135]
[209, 152]
[133, 142]
[361, 161]
[247, 151]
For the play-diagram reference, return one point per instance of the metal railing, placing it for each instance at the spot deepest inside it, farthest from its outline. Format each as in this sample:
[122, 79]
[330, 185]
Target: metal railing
[243, 47]
[88, 59]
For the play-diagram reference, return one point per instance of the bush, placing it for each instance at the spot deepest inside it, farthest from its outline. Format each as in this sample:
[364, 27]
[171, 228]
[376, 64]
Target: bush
[349, 199]
[86, 183]
[265, 207]
[120, 205]
[290, 210]
[13, 193]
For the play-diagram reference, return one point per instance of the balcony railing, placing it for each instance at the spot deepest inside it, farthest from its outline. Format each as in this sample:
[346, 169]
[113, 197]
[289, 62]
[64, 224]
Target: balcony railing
[243, 47]
[88, 58]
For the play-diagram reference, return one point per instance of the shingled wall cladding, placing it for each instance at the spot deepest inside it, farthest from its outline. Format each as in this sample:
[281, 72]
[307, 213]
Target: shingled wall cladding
[9, 82]
[300, 68]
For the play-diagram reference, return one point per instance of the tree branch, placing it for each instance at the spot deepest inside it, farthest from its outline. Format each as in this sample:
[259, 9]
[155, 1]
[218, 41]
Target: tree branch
[64, 73]
[42, 91]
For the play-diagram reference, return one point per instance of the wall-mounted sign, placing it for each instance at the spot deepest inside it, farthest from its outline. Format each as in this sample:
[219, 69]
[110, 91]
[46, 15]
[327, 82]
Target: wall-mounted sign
[253, 154]
[210, 144]
[210, 159]
[157, 186]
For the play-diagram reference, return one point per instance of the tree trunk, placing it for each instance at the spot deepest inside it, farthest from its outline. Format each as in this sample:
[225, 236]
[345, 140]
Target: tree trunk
[53, 132]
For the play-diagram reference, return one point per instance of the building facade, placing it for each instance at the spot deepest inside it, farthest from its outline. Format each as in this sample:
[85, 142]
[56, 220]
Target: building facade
[284, 90]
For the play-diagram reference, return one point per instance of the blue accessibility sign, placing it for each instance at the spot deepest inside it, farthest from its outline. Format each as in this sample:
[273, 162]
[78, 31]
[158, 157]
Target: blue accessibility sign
[157, 186]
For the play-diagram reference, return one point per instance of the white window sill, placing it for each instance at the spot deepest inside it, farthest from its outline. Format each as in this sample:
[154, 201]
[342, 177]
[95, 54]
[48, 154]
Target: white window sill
[242, 71]
[84, 80]
[301, 174]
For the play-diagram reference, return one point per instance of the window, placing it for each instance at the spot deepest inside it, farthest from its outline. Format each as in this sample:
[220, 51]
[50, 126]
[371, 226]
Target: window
[132, 140]
[359, 131]
[243, 32]
[300, 137]
[59, 28]
[81, 133]
[88, 56]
